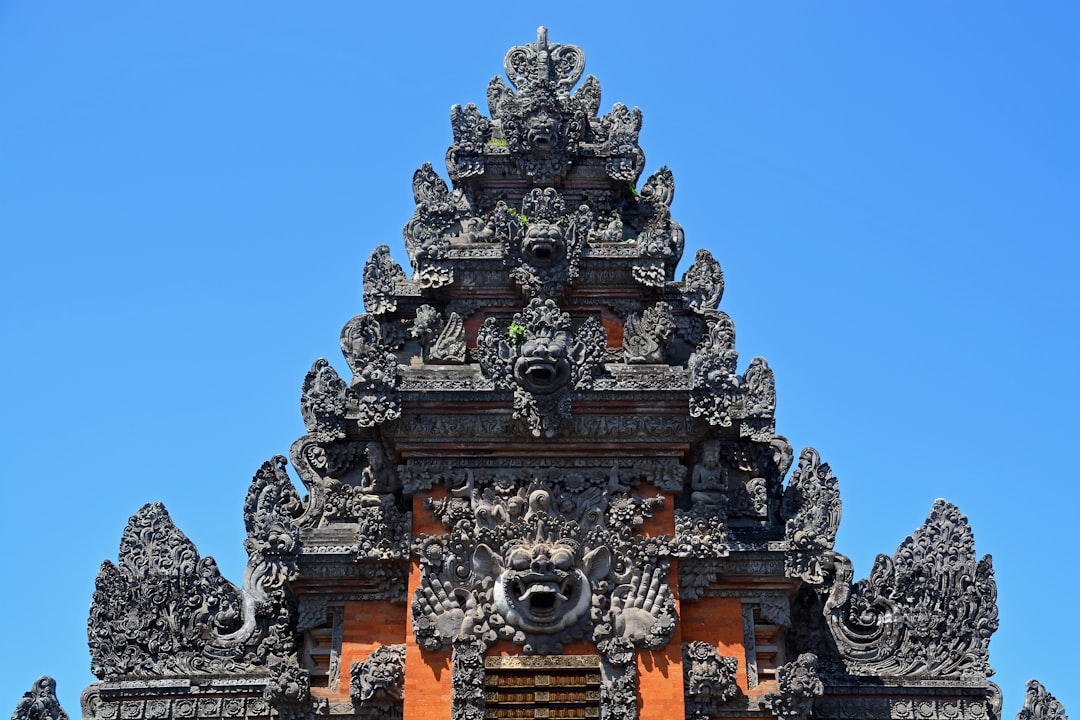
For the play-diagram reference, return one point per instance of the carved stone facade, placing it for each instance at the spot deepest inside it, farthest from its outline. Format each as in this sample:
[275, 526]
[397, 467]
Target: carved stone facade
[547, 490]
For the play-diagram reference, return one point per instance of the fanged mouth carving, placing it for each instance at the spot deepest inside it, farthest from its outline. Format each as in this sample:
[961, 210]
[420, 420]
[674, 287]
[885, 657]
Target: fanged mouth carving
[542, 375]
[544, 598]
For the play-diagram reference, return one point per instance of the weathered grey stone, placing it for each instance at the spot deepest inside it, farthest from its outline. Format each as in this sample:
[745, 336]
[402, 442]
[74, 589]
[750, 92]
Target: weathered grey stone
[40, 703]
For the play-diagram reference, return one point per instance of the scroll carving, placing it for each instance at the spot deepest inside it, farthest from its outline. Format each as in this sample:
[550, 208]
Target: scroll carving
[165, 611]
[271, 512]
[467, 680]
[928, 611]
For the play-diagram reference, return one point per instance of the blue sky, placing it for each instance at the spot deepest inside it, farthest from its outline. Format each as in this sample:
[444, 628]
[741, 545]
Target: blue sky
[188, 192]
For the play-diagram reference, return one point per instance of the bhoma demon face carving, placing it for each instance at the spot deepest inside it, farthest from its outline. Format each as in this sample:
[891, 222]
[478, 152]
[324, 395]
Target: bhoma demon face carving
[544, 244]
[542, 587]
[544, 366]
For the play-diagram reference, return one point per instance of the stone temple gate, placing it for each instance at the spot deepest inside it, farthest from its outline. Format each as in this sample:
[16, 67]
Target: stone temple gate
[547, 490]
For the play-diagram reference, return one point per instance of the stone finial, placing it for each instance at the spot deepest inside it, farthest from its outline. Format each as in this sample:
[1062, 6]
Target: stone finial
[1038, 704]
[40, 702]
[530, 65]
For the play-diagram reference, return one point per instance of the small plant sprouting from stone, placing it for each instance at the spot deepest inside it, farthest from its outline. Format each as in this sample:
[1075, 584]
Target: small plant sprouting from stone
[516, 333]
[497, 142]
[633, 190]
[519, 217]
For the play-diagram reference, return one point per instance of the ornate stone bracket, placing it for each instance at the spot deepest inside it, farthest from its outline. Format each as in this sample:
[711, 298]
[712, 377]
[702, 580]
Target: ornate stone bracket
[440, 214]
[661, 238]
[703, 283]
[381, 277]
[288, 689]
[720, 395]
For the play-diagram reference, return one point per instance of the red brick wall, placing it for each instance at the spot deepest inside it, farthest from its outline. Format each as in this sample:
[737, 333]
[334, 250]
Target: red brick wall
[427, 674]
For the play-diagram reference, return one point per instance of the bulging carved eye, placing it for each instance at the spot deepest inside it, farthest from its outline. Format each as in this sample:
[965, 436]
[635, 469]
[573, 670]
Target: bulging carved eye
[519, 559]
[562, 559]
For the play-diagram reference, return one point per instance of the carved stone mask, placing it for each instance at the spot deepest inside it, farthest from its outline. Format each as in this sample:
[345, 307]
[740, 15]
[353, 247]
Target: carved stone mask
[542, 132]
[543, 367]
[542, 587]
[544, 245]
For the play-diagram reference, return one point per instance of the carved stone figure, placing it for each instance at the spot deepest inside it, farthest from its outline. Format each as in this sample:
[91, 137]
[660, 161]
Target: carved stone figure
[708, 679]
[381, 276]
[552, 579]
[708, 481]
[542, 242]
[646, 337]
[798, 685]
[811, 508]
[375, 374]
[443, 343]
[377, 684]
[703, 283]
[40, 703]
